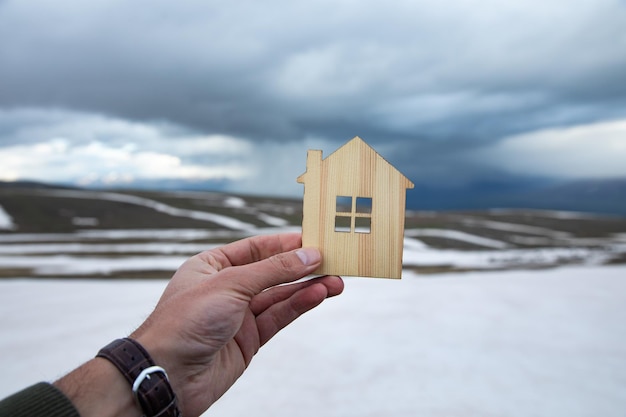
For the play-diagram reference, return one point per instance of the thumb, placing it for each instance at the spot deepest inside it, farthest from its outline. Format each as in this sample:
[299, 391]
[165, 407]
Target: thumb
[277, 269]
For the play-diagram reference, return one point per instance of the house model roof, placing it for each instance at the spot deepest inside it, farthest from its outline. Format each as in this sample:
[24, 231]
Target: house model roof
[355, 149]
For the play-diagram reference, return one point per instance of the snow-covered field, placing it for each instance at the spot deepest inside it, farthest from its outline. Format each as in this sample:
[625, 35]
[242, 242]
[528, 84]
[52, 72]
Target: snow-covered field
[506, 343]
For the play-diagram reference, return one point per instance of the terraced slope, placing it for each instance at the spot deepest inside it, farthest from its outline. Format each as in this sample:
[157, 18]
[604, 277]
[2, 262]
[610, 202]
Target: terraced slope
[53, 233]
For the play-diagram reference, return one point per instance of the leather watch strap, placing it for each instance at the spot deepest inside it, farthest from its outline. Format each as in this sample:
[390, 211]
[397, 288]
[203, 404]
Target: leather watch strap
[150, 384]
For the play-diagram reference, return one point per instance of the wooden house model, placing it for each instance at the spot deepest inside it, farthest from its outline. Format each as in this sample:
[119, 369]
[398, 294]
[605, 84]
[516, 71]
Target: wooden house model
[354, 206]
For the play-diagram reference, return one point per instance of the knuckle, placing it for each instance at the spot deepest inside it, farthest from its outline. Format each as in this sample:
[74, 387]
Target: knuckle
[210, 260]
[255, 251]
[283, 263]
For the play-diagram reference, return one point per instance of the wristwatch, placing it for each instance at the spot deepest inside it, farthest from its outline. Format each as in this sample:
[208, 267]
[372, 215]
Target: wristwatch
[149, 382]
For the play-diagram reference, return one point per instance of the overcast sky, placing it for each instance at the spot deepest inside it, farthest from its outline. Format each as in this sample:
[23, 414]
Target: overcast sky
[449, 91]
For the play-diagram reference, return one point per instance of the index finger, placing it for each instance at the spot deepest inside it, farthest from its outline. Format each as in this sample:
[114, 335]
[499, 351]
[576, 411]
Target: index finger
[252, 249]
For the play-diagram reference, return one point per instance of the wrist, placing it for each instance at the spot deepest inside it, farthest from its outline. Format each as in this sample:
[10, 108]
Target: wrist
[164, 356]
[98, 388]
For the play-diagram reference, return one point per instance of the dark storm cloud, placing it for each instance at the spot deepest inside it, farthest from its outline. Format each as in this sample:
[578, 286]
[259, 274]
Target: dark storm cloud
[437, 78]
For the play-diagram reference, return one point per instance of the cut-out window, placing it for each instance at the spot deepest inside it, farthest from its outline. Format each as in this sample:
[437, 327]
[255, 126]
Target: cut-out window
[353, 214]
[363, 224]
[343, 224]
[344, 204]
[364, 205]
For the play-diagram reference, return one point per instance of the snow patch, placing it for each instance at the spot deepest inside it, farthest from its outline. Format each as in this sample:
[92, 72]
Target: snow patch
[64, 265]
[121, 234]
[272, 220]
[414, 244]
[620, 237]
[554, 214]
[234, 202]
[85, 221]
[514, 227]
[502, 259]
[279, 208]
[87, 248]
[457, 235]
[6, 221]
[144, 234]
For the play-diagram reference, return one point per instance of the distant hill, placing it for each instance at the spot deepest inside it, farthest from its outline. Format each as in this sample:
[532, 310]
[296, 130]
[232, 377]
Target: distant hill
[594, 196]
[31, 184]
[599, 196]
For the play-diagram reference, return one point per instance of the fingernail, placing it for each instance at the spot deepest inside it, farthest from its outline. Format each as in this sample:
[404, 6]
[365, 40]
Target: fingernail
[308, 256]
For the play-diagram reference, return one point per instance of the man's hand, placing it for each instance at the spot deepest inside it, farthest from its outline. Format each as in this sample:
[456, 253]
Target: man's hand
[222, 305]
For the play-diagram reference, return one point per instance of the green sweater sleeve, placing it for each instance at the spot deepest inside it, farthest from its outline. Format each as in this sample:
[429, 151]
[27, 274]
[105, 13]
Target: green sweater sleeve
[41, 399]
